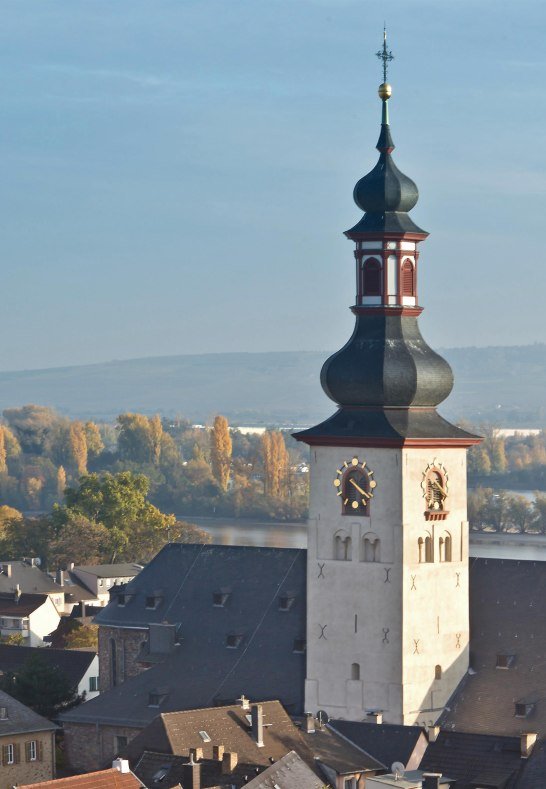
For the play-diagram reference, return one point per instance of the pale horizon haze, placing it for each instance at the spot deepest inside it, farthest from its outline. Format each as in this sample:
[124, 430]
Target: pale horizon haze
[176, 175]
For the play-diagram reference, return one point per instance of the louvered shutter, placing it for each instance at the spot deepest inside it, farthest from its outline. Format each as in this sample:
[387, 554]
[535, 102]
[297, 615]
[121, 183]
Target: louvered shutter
[39, 750]
[16, 753]
[27, 751]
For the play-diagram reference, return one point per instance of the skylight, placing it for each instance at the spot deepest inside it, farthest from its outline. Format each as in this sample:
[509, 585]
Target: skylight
[204, 736]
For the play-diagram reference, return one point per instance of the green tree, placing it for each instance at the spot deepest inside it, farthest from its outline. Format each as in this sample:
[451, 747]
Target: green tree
[41, 686]
[520, 513]
[78, 539]
[220, 451]
[31, 425]
[29, 537]
[136, 529]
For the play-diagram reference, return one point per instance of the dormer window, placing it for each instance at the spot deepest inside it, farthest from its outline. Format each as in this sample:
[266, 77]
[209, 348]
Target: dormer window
[4, 714]
[220, 598]
[154, 600]
[505, 660]
[286, 601]
[233, 640]
[157, 696]
[523, 709]
[121, 600]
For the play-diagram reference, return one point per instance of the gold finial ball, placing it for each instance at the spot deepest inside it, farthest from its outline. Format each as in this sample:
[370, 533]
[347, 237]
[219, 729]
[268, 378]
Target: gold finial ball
[385, 91]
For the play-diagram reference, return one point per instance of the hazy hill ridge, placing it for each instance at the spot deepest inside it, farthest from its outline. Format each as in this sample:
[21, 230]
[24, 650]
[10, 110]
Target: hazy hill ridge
[272, 388]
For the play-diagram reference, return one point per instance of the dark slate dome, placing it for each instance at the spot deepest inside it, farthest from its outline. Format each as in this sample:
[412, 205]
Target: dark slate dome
[385, 188]
[386, 363]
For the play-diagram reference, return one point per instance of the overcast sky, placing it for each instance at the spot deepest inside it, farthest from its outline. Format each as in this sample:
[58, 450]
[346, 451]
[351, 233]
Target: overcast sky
[175, 176]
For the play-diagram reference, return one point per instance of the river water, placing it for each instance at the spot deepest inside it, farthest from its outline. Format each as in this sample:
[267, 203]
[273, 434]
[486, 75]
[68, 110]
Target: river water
[240, 531]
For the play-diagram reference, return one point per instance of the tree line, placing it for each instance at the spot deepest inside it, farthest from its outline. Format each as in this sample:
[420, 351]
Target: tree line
[190, 470]
[497, 510]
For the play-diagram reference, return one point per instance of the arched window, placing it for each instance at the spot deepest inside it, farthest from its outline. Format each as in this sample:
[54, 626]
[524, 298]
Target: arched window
[371, 548]
[420, 544]
[342, 547]
[429, 549]
[447, 547]
[356, 492]
[355, 671]
[408, 278]
[438, 672]
[372, 277]
[113, 663]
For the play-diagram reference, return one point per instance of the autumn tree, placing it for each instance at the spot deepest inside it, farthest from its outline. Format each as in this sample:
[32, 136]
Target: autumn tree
[275, 463]
[78, 539]
[82, 636]
[78, 447]
[220, 451]
[139, 438]
[156, 434]
[93, 439]
[61, 482]
[3, 453]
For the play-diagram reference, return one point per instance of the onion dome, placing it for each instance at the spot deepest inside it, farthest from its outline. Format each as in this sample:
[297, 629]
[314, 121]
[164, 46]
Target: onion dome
[385, 194]
[386, 363]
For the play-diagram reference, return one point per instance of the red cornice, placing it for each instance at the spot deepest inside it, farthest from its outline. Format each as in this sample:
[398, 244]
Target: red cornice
[382, 309]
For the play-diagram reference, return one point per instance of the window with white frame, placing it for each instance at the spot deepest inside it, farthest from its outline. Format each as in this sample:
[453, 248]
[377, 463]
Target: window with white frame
[10, 754]
[32, 751]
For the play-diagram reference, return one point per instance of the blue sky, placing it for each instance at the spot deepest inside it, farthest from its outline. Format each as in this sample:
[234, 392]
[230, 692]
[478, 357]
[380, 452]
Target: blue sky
[175, 176]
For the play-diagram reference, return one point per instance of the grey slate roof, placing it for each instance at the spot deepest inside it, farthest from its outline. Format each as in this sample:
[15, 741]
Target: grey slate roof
[30, 578]
[201, 670]
[21, 719]
[73, 663]
[386, 742]
[475, 759]
[123, 569]
[507, 615]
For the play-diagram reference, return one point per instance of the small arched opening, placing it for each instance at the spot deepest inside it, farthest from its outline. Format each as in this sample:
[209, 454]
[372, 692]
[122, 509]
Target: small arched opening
[408, 278]
[355, 671]
[371, 274]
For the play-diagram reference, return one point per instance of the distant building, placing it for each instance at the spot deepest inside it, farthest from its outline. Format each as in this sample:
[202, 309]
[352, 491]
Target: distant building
[100, 578]
[32, 616]
[119, 776]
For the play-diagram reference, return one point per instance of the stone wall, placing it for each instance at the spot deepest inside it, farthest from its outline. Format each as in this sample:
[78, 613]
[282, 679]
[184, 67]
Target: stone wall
[128, 645]
[27, 772]
[93, 747]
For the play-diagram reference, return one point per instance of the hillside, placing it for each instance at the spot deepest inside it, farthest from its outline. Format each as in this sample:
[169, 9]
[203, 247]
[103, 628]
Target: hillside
[505, 385]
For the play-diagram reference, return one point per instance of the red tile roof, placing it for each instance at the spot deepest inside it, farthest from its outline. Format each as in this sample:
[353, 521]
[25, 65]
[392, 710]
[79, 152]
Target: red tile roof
[103, 779]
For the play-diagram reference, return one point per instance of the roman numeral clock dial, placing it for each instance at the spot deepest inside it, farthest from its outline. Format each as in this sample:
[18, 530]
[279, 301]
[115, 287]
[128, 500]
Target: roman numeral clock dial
[355, 485]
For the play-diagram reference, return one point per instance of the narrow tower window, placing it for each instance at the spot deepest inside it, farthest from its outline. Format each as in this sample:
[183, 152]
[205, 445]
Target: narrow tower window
[429, 549]
[113, 663]
[408, 278]
[342, 547]
[372, 277]
[438, 672]
[371, 547]
[355, 671]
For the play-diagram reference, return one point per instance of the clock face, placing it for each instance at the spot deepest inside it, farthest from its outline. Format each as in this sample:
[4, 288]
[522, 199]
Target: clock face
[435, 486]
[355, 485]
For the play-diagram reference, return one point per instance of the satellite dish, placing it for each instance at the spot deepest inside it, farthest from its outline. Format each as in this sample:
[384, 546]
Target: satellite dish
[398, 770]
[323, 718]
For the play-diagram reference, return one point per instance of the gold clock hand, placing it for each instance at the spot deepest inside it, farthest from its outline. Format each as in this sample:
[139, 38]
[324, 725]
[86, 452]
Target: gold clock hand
[353, 483]
[440, 488]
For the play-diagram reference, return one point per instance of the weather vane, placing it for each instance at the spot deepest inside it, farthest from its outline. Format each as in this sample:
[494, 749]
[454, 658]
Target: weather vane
[385, 55]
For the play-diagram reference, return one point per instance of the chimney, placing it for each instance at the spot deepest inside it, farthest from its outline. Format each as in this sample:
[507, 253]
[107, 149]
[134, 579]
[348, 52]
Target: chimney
[217, 752]
[258, 724]
[309, 725]
[229, 762]
[431, 780]
[121, 764]
[196, 754]
[527, 741]
[17, 594]
[244, 702]
[83, 610]
[432, 733]
[59, 577]
[71, 566]
[376, 716]
[191, 775]
[7, 569]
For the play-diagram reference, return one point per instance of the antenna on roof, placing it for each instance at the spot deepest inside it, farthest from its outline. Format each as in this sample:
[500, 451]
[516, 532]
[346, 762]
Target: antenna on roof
[398, 770]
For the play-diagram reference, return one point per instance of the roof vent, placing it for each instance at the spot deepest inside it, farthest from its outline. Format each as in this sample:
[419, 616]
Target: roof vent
[157, 696]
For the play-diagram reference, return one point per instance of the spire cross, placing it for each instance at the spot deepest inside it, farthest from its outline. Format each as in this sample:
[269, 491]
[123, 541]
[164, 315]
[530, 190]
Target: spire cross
[385, 55]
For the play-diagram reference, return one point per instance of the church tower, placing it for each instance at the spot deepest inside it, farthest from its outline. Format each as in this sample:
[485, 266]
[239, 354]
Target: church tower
[387, 606]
